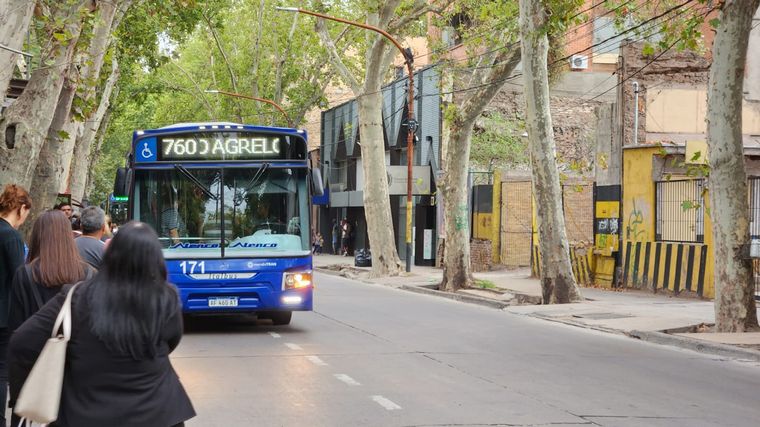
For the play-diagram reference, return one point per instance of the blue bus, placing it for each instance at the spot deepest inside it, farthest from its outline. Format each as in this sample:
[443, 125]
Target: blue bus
[116, 207]
[231, 206]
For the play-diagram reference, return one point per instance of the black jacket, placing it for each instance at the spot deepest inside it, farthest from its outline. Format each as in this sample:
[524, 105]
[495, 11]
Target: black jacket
[100, 387]
[23, 302]
[11, 257]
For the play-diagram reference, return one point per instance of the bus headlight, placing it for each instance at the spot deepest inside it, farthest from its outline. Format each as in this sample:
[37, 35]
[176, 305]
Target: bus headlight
[296, 280]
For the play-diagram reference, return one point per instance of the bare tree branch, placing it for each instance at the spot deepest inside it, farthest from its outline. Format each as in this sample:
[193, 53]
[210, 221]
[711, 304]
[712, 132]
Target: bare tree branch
[420, 8]
[479, 99]
[233, 79]
[256, 50]
[281, 59]
[386, 13]
[198, 89]
[335, 58]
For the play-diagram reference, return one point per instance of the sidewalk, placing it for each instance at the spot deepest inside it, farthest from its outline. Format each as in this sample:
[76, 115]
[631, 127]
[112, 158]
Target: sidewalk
[652, 317]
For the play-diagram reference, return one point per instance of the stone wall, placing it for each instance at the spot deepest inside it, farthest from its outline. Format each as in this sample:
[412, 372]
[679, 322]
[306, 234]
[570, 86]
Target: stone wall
[480, 255]
[574, 122]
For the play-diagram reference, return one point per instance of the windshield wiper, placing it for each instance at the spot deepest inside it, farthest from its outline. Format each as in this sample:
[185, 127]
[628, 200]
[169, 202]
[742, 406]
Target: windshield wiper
[186, 173]
[255, 180]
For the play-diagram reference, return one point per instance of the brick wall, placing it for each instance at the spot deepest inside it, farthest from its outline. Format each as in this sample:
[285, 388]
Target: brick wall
[574, 124]
[480, 255]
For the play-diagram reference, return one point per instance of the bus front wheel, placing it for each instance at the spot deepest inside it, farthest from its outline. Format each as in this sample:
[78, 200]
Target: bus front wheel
[280, 317]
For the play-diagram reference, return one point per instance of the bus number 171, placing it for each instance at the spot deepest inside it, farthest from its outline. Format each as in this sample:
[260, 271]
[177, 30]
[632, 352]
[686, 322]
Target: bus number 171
[189, 267]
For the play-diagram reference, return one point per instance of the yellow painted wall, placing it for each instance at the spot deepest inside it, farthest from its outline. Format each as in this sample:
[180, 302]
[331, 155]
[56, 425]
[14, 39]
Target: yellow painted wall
[682, 110]
[482, 226]
[638, 226]
[638, 195]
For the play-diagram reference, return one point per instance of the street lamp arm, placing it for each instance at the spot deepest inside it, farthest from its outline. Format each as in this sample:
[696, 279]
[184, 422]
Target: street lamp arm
[407, 56]
[411, 124]
[268, 101]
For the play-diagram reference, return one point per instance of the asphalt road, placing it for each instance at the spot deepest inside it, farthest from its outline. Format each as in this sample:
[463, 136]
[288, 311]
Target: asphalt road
[377, 356]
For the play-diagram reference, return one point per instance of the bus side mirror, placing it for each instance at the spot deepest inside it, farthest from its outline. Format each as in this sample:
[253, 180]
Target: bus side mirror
[317, 187]
[120, 187]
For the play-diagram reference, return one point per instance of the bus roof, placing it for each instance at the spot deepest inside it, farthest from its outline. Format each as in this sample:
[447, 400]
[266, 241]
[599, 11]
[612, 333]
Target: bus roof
[218, 125]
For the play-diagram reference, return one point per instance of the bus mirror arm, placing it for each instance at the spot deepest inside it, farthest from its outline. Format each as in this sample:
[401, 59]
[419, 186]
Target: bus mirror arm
[318, 188]
[121, 185]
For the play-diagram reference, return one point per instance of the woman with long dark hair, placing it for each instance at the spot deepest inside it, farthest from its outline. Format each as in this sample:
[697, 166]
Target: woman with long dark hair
[53, 261]
[15, 205]
[125, 322]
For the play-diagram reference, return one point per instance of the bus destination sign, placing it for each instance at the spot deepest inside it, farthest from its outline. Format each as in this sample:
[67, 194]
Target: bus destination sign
[219, 147]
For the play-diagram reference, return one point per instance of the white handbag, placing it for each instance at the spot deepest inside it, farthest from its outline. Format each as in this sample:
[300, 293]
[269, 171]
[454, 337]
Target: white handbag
[40, 396]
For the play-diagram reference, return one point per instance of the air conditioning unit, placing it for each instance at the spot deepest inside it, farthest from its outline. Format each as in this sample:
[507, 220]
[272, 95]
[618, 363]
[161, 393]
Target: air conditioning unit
[579, 62]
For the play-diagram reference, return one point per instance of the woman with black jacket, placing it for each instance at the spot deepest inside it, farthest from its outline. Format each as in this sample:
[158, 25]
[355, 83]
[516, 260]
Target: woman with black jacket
[125, 322]
[53, 261]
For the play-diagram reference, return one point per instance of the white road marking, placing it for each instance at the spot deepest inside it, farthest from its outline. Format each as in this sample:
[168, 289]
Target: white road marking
[346, 379]
[385, 403]
[316, 360]
[292, 346]
[274, 334]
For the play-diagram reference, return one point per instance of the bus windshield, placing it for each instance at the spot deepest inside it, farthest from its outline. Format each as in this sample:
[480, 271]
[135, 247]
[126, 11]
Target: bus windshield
[261, 211]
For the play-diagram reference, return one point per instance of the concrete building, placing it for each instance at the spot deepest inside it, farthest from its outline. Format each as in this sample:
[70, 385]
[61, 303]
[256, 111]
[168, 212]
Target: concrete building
[341, 162]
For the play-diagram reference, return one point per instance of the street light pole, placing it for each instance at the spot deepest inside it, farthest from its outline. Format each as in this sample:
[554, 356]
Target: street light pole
[411, 123]
[268, 101]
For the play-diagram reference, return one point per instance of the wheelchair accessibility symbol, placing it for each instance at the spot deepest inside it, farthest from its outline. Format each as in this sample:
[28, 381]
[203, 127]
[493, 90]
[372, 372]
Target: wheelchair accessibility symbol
[146, 152]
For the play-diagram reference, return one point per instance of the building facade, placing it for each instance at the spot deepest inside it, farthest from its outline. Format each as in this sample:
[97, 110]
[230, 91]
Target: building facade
[341, 163]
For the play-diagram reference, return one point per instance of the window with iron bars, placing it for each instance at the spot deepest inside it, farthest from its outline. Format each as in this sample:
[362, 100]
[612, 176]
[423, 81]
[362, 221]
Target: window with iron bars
[679, 213]
[754, 207]
[753, 185]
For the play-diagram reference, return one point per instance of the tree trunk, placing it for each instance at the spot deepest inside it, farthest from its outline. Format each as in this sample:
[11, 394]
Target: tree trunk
[734, 286]
[102, 34]
[49, 173]
[24, 125]
[100, 136]
[15, 16]
[385, 260]
[456, 265]
[458, 128]
[82, 161]
[557, 281]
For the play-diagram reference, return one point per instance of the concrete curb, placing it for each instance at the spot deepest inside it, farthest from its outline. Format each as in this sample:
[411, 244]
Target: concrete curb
[457, 297]
[521, 299]
[339, 274]
[697, 345]
[571, 323]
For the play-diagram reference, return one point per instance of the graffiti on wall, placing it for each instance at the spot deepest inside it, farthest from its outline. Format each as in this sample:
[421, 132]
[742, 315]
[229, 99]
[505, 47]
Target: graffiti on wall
[636, 229]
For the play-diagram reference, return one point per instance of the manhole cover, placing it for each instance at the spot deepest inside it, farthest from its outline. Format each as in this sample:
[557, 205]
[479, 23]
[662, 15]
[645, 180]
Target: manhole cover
[601, 316]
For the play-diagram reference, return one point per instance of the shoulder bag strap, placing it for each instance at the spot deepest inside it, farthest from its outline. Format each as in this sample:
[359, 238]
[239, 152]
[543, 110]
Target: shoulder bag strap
[33, 287]
[64, 316]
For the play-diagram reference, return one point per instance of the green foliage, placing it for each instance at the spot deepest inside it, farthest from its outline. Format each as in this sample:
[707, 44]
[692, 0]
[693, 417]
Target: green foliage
[498, 143]
[689, 204]
[484, 284]
[681, 27]
[169, 57]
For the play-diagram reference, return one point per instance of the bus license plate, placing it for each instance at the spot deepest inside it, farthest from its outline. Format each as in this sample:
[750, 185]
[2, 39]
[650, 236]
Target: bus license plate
[223, 302]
